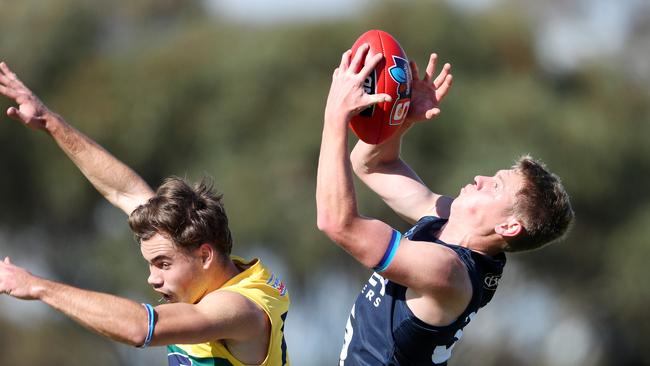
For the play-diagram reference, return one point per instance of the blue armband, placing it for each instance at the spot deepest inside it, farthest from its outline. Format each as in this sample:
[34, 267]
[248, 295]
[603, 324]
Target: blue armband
[390, 252]
[151, 320]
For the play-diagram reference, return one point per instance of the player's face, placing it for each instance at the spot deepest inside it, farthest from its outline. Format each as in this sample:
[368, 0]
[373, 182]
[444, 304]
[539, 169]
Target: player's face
[175, 274]
[488, 201]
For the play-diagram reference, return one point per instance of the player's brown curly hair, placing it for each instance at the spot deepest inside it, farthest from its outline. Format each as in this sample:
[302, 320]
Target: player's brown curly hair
[187, 215]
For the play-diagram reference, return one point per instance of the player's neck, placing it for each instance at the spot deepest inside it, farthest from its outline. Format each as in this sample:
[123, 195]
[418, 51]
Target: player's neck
[224, 271]
[490, 244]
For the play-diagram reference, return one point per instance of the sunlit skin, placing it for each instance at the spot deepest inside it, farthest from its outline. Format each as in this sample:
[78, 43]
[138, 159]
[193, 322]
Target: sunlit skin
[484, 208]
[489, 199]
[179, 276]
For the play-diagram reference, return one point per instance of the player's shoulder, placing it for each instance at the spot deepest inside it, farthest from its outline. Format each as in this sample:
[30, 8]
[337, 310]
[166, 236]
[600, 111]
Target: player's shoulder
[238, 307]
[238, 317]
[447, 260]
[445, 270]
[227, 297]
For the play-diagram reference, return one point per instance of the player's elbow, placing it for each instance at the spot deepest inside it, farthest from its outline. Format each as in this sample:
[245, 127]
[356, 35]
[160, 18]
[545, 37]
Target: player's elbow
[135, 335]
[342, 237]
[360, 163]
[132, 333]
[333, 228]
[326, 225]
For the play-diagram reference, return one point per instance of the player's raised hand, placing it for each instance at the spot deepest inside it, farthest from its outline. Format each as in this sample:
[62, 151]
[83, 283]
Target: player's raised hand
[346, 92]
[427, 92]
[15, 281]
[31, 111]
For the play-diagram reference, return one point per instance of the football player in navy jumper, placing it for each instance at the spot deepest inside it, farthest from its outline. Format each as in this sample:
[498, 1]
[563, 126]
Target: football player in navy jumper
[430, 281]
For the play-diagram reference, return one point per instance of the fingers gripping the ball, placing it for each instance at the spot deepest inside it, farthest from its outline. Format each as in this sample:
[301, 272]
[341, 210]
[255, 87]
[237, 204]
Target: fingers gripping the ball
[361, 54]
[345, 61]
[385, 81]
[347, 91]
[371, 62]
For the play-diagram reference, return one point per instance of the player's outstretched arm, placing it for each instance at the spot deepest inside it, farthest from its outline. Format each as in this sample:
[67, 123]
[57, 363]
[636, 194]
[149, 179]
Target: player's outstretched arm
[118, 183]
[114, 317]
[380, 166]
[219, 315]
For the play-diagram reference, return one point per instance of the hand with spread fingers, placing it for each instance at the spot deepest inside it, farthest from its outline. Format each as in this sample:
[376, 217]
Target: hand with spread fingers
[118, 183]
[346, 92]
[427, 93]
[31, 111]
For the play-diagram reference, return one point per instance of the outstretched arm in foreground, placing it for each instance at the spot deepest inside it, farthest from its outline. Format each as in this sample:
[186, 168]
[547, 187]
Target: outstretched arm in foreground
[220, 315]
[380, 166]
[118, 183]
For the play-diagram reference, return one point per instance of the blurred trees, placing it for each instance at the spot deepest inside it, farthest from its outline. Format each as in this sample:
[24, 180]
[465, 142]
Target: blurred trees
[171, 90]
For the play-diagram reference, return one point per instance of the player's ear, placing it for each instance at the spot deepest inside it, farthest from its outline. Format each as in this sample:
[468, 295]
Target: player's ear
[207, 254]
[510, 228]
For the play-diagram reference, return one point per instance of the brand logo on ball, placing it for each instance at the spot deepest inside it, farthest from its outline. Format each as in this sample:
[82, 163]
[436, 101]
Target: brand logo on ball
[491, 281]
[400, 72]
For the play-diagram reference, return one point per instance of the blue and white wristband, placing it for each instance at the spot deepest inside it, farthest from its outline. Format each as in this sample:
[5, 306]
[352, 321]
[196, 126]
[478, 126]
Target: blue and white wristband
[151, 320]
[395, 239]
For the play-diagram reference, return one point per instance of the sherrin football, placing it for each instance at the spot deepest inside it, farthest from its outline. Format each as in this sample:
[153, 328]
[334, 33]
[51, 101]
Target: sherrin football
[391, 76]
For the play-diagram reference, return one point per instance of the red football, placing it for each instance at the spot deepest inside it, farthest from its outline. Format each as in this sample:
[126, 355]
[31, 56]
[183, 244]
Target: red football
[391, 76]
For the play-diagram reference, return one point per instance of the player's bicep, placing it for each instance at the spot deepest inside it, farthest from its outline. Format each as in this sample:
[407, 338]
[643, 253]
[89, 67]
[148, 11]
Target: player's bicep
[421, 266]
[418, 265]
[219, 315]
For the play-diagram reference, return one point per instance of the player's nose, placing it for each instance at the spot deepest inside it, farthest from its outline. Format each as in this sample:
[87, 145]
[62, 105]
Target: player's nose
[154, 279]
[478, 181]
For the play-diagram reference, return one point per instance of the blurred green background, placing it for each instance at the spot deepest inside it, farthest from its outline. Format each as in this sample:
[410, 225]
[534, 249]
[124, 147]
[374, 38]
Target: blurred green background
[236, 90]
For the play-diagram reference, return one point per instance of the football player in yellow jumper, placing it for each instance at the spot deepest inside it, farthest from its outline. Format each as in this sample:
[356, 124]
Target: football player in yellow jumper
[219, 310]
